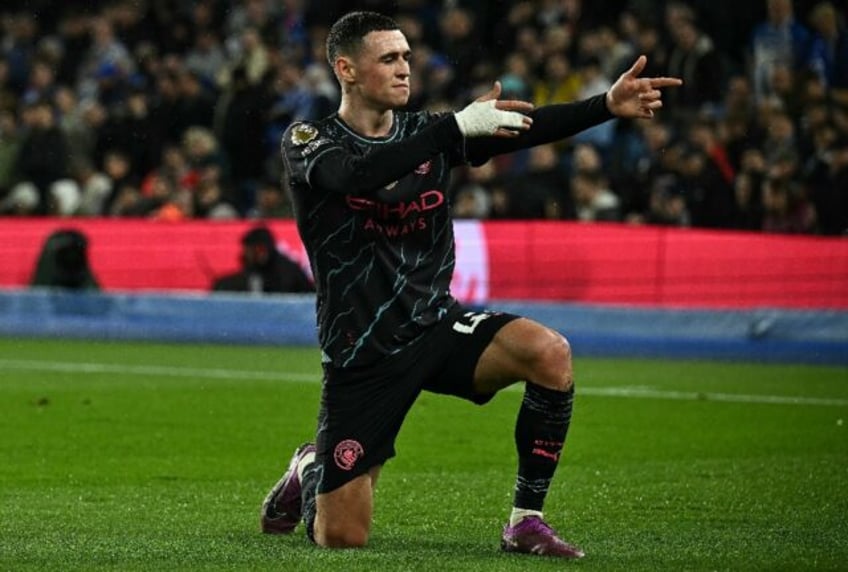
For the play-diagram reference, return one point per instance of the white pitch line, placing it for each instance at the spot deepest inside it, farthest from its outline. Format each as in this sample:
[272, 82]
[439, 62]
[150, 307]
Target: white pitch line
[166, 371]
[707, 396]
[291, 377]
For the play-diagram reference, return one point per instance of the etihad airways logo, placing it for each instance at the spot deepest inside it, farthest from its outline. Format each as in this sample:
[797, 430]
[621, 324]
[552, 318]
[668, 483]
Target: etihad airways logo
[396, 219]
[426, 201]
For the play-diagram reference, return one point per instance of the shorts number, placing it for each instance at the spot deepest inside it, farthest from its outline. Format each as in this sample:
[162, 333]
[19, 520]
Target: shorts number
[469, 322]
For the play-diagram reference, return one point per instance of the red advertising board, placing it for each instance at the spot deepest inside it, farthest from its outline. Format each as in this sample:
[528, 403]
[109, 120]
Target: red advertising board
[588, 263]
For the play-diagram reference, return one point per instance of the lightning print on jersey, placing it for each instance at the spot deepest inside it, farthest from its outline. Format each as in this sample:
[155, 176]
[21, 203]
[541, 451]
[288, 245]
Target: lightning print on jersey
[400, 282]
[382, 258]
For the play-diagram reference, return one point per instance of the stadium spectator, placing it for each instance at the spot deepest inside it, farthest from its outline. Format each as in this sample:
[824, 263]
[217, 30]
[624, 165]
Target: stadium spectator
[123, 184]
[8, 96]
[43, 156]
[21, 34]
[648, 42]
[132, 129]
[542, 191]
[593, 200]
[586, 159]
[529, 46]
[210, 201]
[787, 89]
[435, 80]
[780, 140]
[106, 64]
[666, 204]
[780, 39]
[22, 199]
[64, 198]
[41, 83]
[73, 35]
[166, 106]
[694, 59]
[261, 17]
[195, 105]
[63, 262]
[10, 141]
[264, 269]
[204, 158]
[520, 15]
[388, 326]
[69, 118]
[95, 188]
[825, 175]
[271, 202]
[161, 197]
[748, 212]
[593, 82]
[293, 35]
[128, 20]
[737, 119]
[714, 208]
[611, 51]
[830, 47]
[516, 79]
[207, 56]
[250, 53]
[473, 196]
[461, 46]
[559, 83]
[294, 100]
[556, 39]
[239, 126]
[123, 72]
[785, 209]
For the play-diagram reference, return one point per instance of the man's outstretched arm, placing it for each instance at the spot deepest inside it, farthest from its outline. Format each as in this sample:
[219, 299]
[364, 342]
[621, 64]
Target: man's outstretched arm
[333, 168]
[629, 97]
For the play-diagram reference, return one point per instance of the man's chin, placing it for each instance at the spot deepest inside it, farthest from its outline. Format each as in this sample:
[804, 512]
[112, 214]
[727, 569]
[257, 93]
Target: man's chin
[396, 102]
[400, 102]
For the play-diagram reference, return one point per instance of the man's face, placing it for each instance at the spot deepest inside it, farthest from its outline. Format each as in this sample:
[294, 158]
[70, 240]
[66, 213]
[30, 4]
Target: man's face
[255, 256]
[382, 69]
[779, 11]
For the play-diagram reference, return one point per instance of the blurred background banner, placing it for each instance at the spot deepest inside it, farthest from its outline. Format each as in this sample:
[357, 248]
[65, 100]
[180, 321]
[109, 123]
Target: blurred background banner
[765, 334]
[661, 266]
[530, 261]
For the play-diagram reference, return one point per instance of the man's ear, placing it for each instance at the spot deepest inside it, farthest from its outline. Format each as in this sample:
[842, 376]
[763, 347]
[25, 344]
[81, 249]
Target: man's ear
[345, 70]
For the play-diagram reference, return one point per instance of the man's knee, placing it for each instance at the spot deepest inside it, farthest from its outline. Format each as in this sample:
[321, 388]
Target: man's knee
[330, 535]
[553, 362]
[343, 517]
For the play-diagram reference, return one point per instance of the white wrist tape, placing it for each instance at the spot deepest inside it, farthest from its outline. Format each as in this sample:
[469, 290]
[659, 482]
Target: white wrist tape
[482, 118]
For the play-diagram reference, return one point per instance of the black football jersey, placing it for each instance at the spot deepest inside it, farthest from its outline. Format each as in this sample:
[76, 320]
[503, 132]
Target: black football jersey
[382, 258]
[374, 216]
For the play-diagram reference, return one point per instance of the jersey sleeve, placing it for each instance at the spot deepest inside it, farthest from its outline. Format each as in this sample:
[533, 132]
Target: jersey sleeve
[315, 159]
[550, 123]
[302, 146]
[456, 151]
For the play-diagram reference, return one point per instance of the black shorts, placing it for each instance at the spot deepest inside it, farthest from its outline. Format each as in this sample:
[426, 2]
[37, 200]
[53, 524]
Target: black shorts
[362, 408]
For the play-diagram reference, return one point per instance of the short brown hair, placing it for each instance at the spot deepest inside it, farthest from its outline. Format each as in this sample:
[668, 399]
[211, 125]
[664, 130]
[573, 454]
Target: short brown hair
[345, 36]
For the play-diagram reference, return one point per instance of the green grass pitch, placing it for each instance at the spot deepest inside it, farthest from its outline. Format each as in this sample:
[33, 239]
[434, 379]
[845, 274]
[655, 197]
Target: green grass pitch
[125, 456]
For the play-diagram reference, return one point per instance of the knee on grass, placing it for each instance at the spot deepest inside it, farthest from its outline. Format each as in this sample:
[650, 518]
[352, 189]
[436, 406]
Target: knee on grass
[330, 536]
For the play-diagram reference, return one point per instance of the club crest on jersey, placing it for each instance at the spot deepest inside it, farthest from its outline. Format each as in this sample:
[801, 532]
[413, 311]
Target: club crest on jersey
[302, 134]
[347, 453]
[423, 168]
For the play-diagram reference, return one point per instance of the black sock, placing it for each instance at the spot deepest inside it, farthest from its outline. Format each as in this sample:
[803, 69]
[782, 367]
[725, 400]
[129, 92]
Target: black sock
[308, 493]
[539, 437]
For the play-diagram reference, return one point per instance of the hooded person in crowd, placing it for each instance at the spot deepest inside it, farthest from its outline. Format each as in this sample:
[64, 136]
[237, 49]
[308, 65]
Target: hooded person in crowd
[264, 268]
[63, 262]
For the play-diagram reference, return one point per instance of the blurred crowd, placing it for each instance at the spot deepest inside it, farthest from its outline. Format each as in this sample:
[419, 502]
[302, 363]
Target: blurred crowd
[174, 109]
